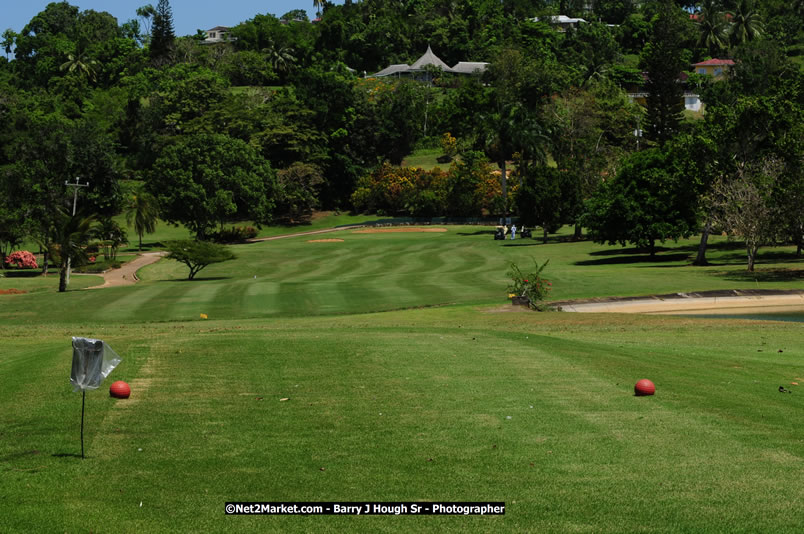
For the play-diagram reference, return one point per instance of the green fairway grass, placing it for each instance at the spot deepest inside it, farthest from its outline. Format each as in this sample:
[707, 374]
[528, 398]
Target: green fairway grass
[407, 376]
[388, 271]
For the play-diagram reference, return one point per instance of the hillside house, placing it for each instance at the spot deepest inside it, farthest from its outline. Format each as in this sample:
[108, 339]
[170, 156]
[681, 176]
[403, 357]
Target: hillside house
[561, 22]
[716, 68]
[218, 34]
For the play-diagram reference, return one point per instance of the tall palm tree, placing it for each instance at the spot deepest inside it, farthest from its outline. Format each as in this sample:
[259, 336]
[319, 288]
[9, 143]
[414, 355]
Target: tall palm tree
[318, 4]
[69, 236]
[79, 63]
[146, 14]
[280, 57]
[8, 41]
[746, 23]
[713, 27]
[510, 130]
[111, 236]
[143, 211]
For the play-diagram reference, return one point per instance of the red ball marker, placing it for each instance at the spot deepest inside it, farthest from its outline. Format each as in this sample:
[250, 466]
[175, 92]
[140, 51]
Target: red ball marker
[120, 390]
[644, 387]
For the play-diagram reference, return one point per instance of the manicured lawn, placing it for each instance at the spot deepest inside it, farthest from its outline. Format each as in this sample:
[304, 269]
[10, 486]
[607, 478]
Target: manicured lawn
[455, 403]
[408, 377]
[380, 272]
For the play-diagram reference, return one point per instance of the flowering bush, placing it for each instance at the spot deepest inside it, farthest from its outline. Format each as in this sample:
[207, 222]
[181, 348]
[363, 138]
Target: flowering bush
[530, 285]
[402, 191]
[22, 259]
[449, 145]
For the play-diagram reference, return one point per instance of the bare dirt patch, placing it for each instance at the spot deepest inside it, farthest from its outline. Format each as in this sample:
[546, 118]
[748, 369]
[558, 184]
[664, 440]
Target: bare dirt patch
[12, 292]
[325, 241]
[396, 230]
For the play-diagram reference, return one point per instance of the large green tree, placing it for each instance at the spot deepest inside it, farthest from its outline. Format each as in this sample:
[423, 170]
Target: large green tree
[513, 122]
[591, 130]
[57, 32]
[49, 150]
[756, 115]
[203, 181]
[163, 37]
[663, 60]
[649, 200]
[548, 197]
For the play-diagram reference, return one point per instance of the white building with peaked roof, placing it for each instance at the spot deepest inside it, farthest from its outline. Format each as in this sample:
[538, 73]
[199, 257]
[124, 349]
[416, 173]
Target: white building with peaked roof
[218, 34]
[429, 60]
[562, 21]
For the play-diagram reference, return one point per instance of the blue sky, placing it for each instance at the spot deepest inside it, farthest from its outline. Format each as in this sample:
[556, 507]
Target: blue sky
[188, 15]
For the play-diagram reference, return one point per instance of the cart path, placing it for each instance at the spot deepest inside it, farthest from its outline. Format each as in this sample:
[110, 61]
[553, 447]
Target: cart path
[127, 274]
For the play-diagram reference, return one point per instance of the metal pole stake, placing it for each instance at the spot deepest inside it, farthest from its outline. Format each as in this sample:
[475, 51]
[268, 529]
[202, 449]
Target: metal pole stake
[83, 400]
[76, 185]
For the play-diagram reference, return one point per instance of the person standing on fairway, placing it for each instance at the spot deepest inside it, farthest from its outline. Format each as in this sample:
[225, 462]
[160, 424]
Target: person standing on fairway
[513, 232]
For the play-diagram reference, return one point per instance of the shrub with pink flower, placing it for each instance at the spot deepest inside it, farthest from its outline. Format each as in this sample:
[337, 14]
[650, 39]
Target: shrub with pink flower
[22, 259]
[530, 285]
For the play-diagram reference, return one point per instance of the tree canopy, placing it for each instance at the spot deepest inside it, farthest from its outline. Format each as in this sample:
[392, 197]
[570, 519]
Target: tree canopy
[206, 127]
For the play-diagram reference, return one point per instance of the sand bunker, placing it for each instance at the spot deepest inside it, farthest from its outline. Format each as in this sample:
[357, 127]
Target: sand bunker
[706, 302]
[397, 229]
[325, 241]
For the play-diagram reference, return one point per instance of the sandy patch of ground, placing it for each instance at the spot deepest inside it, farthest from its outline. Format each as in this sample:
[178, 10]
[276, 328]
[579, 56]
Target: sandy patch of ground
[12, 291]
[397, 229]
[325, 241]
[721, 302]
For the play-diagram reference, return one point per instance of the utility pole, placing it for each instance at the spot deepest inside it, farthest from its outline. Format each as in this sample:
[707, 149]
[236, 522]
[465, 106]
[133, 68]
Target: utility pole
[76, 185]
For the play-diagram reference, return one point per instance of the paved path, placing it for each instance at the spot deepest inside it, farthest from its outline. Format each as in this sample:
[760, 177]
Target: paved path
[127, 274]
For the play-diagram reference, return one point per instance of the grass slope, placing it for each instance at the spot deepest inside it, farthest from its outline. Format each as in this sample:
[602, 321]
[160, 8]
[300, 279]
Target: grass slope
[456, 398]
[453, 403]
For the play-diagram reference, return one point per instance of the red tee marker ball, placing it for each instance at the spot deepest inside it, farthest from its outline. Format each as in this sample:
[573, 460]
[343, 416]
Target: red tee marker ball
[644, 387]
[120, 390]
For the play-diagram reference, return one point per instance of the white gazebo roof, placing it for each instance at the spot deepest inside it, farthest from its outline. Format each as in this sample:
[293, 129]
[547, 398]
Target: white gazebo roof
[469, 67]
[393, 69]
[428, 58]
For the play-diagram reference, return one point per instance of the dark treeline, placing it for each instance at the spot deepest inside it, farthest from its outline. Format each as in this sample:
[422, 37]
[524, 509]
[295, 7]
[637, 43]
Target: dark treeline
[283, 117]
